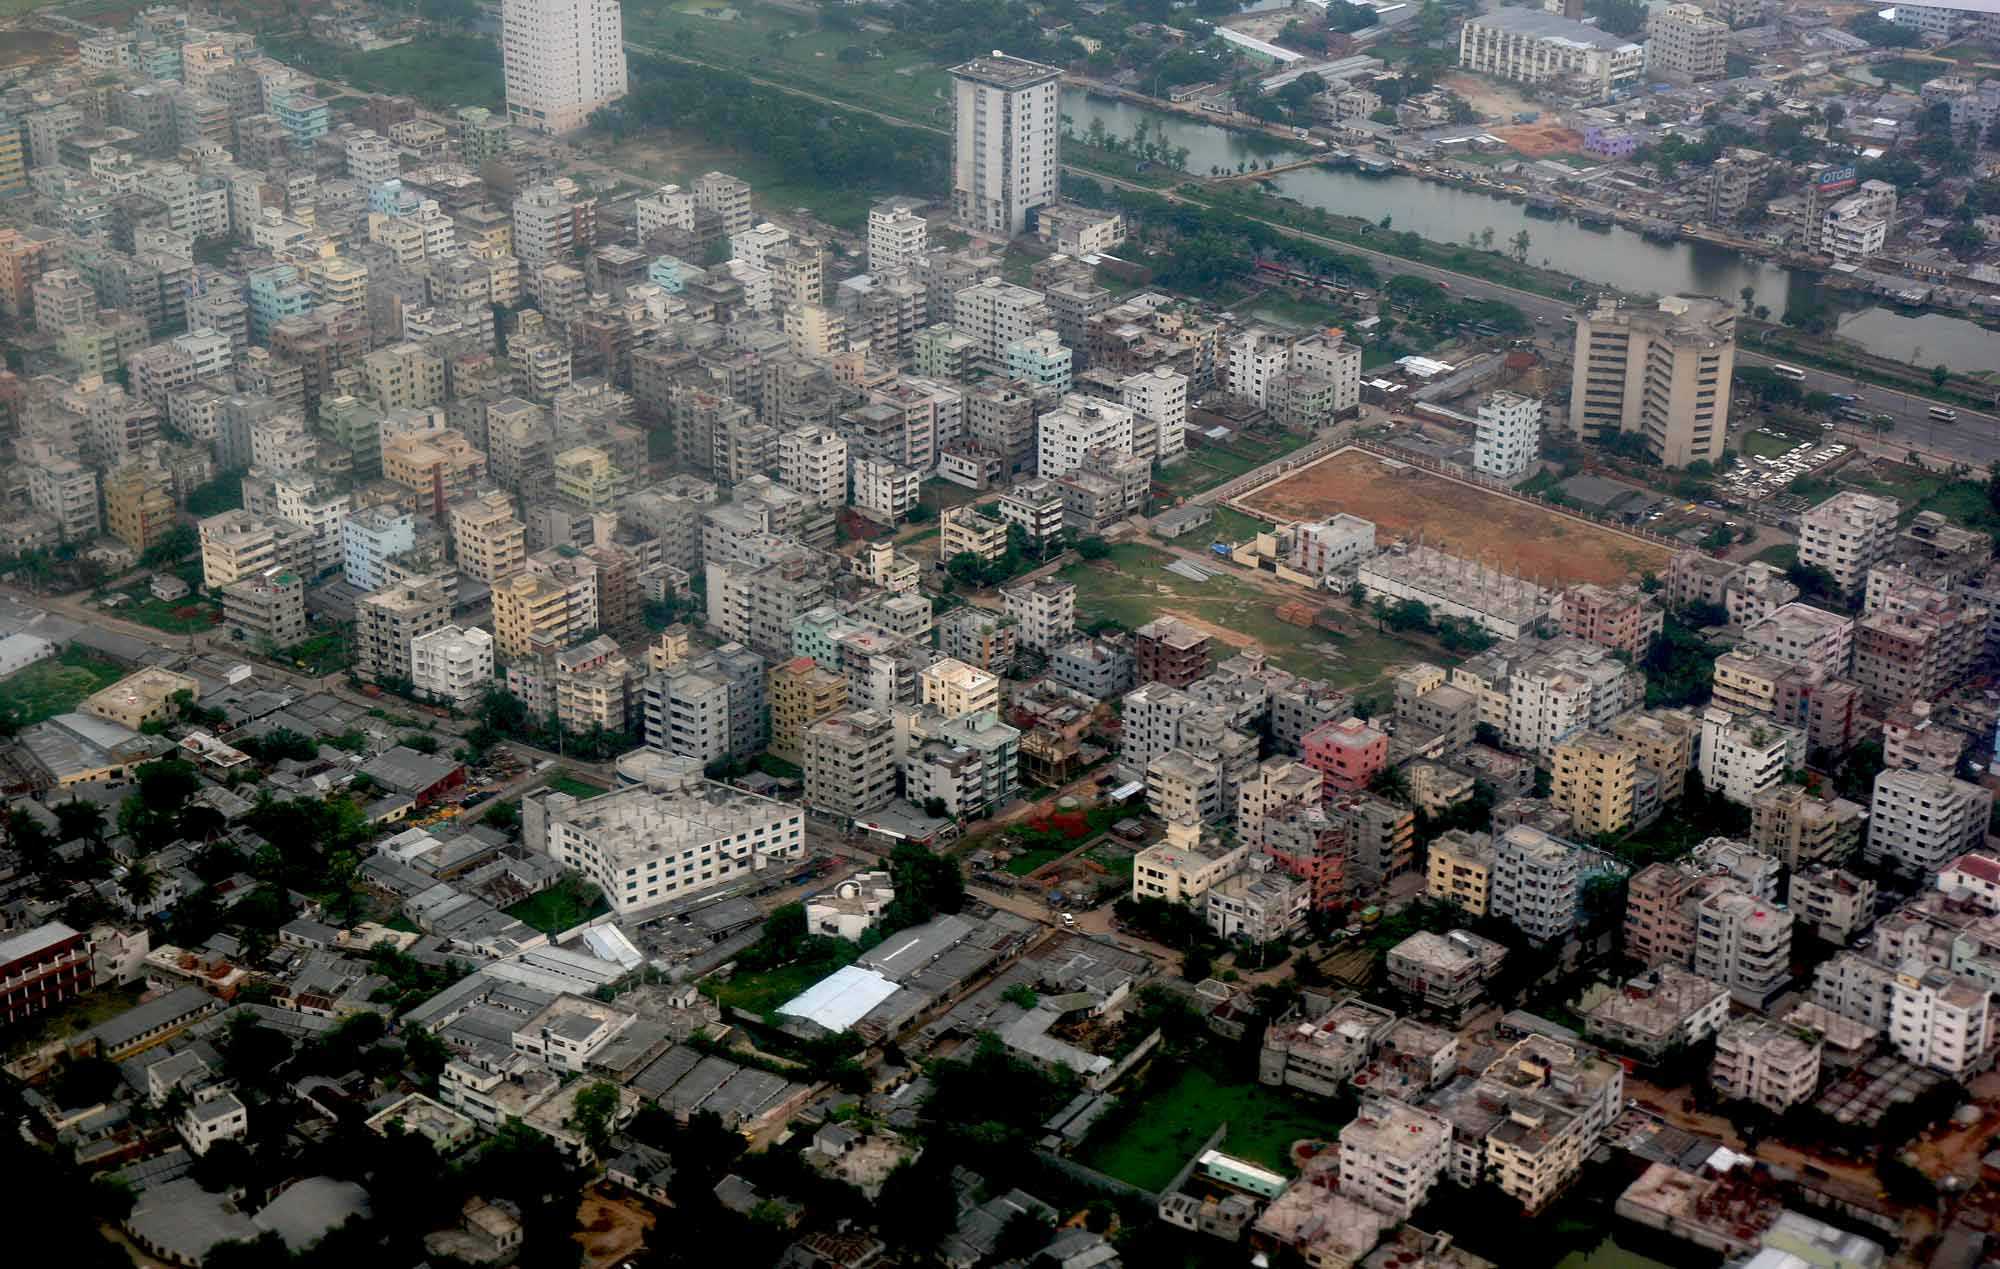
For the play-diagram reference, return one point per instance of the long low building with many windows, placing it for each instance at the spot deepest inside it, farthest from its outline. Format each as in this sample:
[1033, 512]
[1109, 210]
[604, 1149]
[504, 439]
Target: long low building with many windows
[677, 835]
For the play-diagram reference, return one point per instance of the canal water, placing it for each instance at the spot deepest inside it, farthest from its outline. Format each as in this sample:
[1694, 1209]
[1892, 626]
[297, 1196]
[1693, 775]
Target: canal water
[1615, 257]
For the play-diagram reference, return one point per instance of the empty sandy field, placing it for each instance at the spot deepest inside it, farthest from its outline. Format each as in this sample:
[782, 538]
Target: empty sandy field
[1404, 501]
[1539, 140]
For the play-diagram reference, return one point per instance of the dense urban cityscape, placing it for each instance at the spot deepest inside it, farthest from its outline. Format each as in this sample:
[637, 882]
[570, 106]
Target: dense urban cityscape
[1000, 633]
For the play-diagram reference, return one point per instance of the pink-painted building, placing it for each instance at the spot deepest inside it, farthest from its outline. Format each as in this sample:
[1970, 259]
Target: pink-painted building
[1347, 754]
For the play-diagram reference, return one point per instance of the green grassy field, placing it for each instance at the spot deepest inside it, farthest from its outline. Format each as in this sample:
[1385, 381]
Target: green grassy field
[1233, 526]
[52, 687]
[772, 43]
[1207, 466]
[187, 615]
[1032, 858]
[566, 783]
[1132, 587]
[322, 654]
[1148, 1150]
[1757, 444]
[444, 71]
[568, 903]
[765, 990]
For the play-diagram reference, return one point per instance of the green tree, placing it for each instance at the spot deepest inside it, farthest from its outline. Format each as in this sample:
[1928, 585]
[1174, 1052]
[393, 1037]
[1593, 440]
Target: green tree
[595, 1107]
[78, 819]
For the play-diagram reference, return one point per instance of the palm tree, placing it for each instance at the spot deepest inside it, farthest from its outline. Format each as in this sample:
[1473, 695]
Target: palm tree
[1520, 242]
[139, 885]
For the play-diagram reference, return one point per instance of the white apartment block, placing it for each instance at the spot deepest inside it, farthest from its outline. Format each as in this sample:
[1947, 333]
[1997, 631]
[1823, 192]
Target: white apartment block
[650, 844]
[1330, 358]
[1159, 397]
[452, 663]
[996, 313]
[1535, 882]
[1045, 612]
[1742, 757]
[882, 490]
[1183, 868]
[813, 461]
[1065, 435]
[563, 59]
[1743, 943]
[668, 208]
[1335, 544]
[1859, 225]
[1256, 359]
[898, 236]
[1940, 1020]
[1805, 634]
[1761, 1062]
[1006, 133]
[1847, 535]
[1919, 822]
[1509, 435]
[1392, 1154]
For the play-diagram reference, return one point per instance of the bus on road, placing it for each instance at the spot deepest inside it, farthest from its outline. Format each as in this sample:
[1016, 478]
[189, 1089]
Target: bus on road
[1943, 415]
[1793, 373]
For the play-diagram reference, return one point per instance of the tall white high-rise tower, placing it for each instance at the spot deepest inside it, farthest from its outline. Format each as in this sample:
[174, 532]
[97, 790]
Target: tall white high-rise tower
[564, 59]
[1006, 129]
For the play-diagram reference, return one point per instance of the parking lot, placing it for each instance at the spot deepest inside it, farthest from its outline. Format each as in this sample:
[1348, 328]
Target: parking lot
[1758, 476]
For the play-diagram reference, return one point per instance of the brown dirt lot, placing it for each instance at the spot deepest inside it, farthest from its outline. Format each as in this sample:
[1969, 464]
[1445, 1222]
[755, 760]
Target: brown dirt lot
[1463, 519]
[1539, 140]
[610, 1228]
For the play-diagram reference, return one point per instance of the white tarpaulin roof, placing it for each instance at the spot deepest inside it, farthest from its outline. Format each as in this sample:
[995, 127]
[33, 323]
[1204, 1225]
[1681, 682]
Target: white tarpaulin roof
[841, 999]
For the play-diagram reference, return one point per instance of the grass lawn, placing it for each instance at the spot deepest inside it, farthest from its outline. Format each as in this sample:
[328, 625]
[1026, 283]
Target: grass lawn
[568, 903]
[1034, 857]
[775, 44]
[1118, 862]
[322, 654]
[1148, 1150]
[1756, 444]
[77, 1016]
[764, 990]
[443, 71]
[563, 782]
[187, 615]
[1131, 586]
[1784, 555]
[1286, 309]
[52, 687]
[1233, 526]
[1207, 466]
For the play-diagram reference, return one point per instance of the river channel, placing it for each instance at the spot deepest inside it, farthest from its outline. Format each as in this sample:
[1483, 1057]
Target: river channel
[1615, 257]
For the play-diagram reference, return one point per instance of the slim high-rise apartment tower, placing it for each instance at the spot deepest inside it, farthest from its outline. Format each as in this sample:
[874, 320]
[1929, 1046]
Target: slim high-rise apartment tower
[564, 59]
[1006, 129]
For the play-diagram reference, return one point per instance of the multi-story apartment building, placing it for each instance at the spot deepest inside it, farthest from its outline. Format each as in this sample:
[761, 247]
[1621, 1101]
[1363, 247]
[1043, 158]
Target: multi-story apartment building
[1662, 375]
[957, 689]
[1684, 43]
[850, 763]
[1508, 437]
[535, 613]
[1918, 822]
[1045, 612]
[1941, 1021]
[1554, 1101]
[1459, 871]
[66, 492]
[1757, 1061]
[42, 968]
[266, 610]
[1662, 1009]
[1624, 620]
[801, 693]
[813, 460]
[1347, 754]
[1536, 882]
[1279, 782]
[1444, 974]
[1595, 778]
[387, 623]
[1833, 903]
[1743, 756]
[138, 510]
[563, 59]
[1170, 651]
[1391, 1156]
[1005, 138]
[369, 539]
[1847, 535]
[238, 544]
[1659, 917]
[1802, 633]
[490, 543]
[654, 843]
[996, 313]
[1744, 943]
[453, 664]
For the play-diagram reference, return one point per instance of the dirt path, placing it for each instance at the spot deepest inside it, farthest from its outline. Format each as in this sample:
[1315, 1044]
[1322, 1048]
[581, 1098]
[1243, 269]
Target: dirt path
[610, 1227]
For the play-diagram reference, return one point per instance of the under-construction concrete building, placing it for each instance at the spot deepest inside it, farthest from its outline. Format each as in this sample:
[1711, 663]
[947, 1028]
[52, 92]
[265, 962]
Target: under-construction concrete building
[1452, 586]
